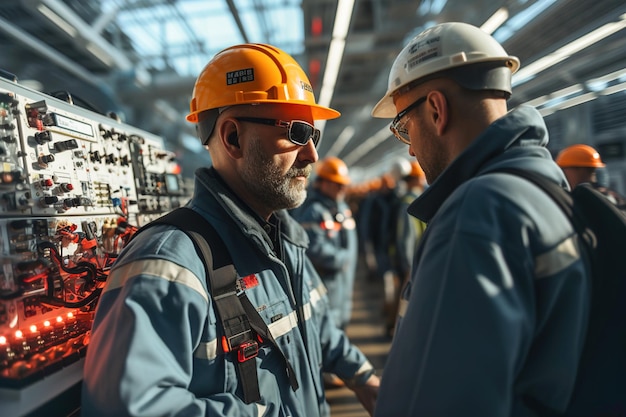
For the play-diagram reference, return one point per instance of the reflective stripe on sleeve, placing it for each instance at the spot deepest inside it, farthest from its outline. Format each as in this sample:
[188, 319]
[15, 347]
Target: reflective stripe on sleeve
[207, 350]
[557, 259]
[316, 294]
[367, 365]
[155, 268]
[546, 264]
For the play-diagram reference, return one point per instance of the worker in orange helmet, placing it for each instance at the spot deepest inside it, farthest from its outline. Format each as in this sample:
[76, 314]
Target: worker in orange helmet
[328, 221]
[581, 164]
[333, 246]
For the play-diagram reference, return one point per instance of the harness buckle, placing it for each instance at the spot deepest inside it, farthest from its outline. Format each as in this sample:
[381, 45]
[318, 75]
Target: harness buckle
[247, 350]
[236, 340]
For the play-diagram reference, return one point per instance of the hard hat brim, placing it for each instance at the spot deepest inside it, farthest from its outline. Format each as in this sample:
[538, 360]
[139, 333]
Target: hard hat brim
[385, 109]
[317, 112]
[321, 112]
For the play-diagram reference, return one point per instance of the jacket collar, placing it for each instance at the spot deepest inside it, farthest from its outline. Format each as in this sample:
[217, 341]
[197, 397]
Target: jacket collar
[522, 126]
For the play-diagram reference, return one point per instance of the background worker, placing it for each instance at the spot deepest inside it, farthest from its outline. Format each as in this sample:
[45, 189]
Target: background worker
[385, 218]
[409, 230]
[333, 247]
[374, 212]
[580, 164]
[156, 346]
[493, 318]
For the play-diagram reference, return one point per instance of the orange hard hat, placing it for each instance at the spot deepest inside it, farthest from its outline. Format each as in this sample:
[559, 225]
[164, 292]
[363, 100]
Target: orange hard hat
[375, 184]
[253, 74]
[579, 155]
[333, 169]
[416, 170]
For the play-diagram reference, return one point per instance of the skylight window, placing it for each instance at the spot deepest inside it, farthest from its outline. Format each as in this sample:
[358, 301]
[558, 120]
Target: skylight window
[184, 35]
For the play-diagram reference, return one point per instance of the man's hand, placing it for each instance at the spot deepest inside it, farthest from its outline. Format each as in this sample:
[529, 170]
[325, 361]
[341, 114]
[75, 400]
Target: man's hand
[367, 393]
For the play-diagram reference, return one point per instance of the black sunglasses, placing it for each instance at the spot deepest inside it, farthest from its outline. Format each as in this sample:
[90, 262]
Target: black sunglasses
[299, 132]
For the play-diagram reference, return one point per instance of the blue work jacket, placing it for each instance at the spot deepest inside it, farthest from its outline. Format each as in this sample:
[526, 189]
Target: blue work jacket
[333, 248]
[155, 347]
[498, 300]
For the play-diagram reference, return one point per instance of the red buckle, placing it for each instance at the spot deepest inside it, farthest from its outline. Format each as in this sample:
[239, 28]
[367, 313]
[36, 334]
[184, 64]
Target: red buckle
[247, 350]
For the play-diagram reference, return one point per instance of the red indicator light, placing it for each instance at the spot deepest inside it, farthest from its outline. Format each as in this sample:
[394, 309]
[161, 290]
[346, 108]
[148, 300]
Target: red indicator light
[316, 26]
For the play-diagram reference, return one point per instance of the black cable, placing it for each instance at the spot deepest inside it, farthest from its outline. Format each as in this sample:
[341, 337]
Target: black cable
[91, 274]
[78, 304]
[87, 267]
[73, 99]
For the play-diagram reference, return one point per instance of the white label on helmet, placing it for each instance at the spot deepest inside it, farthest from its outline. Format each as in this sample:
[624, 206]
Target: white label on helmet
[423, 50]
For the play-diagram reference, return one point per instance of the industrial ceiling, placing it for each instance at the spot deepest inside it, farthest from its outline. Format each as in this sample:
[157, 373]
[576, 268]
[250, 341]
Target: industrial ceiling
[139, 58]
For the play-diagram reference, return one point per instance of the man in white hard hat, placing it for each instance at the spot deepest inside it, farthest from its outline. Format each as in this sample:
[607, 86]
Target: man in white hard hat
[493, 317]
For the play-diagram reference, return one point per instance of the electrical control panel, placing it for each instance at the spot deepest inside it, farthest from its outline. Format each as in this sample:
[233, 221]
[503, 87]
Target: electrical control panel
[74, 187]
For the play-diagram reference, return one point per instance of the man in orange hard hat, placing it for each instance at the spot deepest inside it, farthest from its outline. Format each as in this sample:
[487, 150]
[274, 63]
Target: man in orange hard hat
[160, 344]
[580, 164]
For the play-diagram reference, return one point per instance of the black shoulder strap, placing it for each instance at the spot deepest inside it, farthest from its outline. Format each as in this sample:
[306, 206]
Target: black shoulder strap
[561, 196]
[240, 319]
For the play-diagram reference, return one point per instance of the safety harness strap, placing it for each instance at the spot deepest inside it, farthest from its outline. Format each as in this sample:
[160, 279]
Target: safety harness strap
[243, 326]
[258, 325]
[238, 334]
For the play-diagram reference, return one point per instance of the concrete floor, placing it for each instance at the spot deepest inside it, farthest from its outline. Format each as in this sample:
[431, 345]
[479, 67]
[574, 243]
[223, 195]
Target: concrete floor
[366, 330]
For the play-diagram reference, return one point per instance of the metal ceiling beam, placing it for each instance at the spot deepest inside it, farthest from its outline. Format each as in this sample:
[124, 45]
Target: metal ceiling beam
[161, 85]
[190, 31]
[30, 42]
[65, 19]
[104, 19]
[235, 13]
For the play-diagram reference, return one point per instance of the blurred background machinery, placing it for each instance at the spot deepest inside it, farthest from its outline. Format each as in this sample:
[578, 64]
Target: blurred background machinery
[74, 187]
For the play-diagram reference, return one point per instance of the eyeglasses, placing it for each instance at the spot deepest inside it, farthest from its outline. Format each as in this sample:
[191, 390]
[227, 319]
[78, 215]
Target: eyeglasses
[299, 132]
[399, 129]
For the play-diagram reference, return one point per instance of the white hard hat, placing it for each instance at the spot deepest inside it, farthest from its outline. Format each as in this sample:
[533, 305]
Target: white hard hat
[400, 168]
[446, 47]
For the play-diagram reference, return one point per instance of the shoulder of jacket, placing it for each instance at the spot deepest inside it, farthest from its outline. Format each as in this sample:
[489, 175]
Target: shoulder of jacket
[161, 242]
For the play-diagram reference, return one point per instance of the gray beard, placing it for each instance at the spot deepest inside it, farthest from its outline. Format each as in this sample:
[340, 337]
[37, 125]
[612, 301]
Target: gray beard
[269, 186]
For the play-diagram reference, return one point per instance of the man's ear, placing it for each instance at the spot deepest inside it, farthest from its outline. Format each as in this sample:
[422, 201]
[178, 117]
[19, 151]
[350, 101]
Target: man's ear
[229, 138]
[440, 110]
[233, 139]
